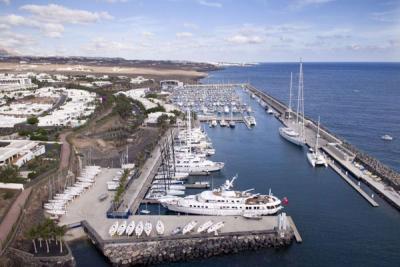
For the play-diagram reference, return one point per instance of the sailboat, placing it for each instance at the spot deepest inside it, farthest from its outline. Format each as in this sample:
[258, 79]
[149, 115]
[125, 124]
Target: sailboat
[295, 134]
[314, 156]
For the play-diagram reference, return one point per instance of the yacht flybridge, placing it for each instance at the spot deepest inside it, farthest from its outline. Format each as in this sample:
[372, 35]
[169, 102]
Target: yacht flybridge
[224, 201]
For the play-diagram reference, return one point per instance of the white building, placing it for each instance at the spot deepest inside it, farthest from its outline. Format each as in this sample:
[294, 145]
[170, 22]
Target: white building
[18, 152]
[102, 83]
[11, 83]
[167, 84]
[72, 112]
[152, 118]
[138, 80]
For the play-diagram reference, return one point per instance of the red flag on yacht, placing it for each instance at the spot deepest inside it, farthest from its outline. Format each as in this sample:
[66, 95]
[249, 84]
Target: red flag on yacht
[285, 201]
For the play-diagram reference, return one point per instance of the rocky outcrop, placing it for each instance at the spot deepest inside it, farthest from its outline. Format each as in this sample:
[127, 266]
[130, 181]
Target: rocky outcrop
[172, 250]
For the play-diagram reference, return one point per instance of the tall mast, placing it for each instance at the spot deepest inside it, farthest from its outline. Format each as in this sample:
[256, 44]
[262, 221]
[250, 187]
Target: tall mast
[290, 94]
[298, 96]
[188, 134]
[316, 142]
[300, 101]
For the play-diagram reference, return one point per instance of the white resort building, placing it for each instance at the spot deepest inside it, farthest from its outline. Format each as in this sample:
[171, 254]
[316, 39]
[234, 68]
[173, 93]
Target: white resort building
[12, 83]
[18, 152]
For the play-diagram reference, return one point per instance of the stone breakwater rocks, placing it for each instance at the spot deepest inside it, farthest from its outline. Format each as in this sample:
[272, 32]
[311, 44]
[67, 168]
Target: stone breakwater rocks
[22, 258]
[172, 250]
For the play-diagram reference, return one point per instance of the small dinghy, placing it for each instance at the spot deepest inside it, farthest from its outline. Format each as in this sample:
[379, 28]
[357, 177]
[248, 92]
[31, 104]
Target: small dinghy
[387, 137]
[189, 227]
[121, 228]
[204, 226]
[130, 228]
[214, 229]
[177, 231]
[160, 227]
[147, 228]
[139, 229]
[113, 229]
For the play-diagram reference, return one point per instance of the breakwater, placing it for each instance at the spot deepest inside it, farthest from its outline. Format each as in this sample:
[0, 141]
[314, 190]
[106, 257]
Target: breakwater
[348, 153]
[152, 250]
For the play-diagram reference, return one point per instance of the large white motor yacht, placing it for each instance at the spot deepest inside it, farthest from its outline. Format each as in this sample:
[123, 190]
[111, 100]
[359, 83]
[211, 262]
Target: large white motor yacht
[224, 201]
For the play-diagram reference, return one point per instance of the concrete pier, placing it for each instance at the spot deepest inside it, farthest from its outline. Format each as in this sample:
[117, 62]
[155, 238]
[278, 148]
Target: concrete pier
[352, 184]
[332, 145]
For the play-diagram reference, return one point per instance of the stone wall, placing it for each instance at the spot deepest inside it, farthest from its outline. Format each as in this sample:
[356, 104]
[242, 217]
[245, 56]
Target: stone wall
[172, 250]
[22, 258]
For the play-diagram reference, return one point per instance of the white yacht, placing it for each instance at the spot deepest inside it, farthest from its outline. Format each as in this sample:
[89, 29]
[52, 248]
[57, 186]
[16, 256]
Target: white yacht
[292, 136]
[387, 137]
[226, 109]
[224, 201]
[295, 133]
[314, 156]
[197, 165]
[223, 123]
[250, 121]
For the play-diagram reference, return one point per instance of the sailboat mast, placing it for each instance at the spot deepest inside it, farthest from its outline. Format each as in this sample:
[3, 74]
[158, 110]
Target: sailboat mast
[301, 98]
[298, 97]
[290, 94]
[316, 142]
[188, 134]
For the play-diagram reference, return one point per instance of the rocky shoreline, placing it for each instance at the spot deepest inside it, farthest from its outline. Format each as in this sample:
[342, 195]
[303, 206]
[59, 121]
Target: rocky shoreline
[173, 250]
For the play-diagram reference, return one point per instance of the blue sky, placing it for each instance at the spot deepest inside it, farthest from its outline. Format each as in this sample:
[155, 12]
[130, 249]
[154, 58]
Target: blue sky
[205, 30]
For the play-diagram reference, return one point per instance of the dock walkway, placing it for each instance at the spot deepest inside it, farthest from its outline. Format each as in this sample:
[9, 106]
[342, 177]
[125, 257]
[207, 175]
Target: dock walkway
[137, 190]
[354, 185]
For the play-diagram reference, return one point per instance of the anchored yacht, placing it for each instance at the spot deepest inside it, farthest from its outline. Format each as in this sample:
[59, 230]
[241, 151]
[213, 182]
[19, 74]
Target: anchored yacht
[296, 133]
[314, 156]
[224, 201]
[292, 136]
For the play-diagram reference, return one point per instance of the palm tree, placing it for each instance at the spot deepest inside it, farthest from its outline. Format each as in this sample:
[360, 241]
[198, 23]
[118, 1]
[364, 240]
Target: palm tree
[46, 235]
[60, 231]
[32, 234]
[39, 233]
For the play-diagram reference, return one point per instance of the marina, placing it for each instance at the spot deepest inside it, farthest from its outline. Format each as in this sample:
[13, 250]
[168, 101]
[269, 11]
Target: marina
[179, 226]
[160, 181]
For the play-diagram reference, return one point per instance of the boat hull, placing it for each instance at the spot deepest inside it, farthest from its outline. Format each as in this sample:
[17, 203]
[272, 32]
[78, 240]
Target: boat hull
[294, 140]
[217, 212]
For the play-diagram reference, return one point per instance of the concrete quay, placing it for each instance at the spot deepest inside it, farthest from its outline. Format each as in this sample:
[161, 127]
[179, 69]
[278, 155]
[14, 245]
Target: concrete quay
[238, 234]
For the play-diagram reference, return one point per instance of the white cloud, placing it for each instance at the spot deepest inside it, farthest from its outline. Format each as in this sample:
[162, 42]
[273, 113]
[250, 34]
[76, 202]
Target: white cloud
[190, 25]
[184, 34]
[52, 29]
[387, 16]
[209, 3]
[116, 1]
[245, 39]
[304, 3]
[7, 2]
[61, 14]
[147, 34]
[101, 44]
[50, 19]
[14, 20]
[4, 27]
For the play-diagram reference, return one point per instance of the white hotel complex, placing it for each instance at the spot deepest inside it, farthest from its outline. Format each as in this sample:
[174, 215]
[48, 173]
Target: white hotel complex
[13, 83]
[18, 152]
